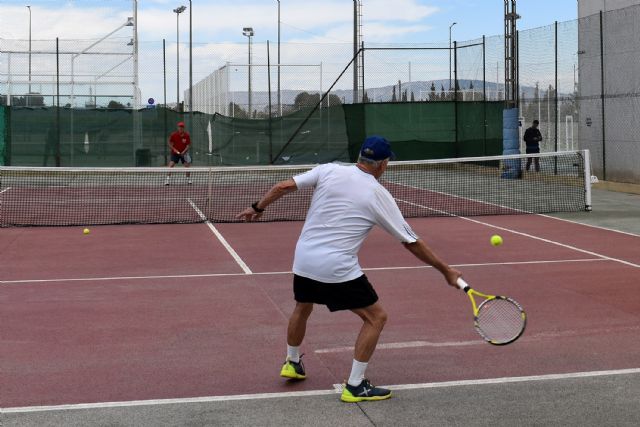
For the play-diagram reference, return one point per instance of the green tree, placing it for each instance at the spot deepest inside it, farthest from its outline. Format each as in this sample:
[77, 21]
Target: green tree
[114, 104]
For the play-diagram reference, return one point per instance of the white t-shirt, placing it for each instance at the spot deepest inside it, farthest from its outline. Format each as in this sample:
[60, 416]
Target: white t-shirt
[346, 204]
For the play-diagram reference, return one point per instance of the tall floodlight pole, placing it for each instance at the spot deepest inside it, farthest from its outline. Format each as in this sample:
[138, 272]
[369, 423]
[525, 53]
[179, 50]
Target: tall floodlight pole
[450, 27]
[29, 96]
[510, 54]
[279, 100]
[248, 31]
[190, 60]
[178, 11]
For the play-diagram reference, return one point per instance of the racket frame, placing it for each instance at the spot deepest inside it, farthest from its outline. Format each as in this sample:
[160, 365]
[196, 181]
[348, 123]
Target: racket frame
[476, 309]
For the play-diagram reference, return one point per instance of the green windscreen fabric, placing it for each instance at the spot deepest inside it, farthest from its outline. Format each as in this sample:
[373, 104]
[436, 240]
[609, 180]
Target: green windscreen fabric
[299, 138]
[124, 137]
[429, 130]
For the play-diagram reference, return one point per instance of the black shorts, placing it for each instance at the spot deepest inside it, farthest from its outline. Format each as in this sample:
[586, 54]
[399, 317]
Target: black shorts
[357, 293]
[533, 150]
[184, 158]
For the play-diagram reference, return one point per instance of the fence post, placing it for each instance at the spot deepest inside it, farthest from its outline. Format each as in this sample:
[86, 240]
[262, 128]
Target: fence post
[164, 109]
[484, 98]
[58, 102]
[455, 95]
[556, 85]
[604, 144]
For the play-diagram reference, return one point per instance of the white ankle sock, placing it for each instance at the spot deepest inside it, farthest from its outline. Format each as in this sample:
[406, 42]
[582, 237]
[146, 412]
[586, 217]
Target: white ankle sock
[293, 353]
[357, 373]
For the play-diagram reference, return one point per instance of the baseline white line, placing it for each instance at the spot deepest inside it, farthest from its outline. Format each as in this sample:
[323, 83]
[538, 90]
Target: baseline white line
[6, 189]
[265, 273]
[222, 240]
[528, 235]
[335, 390]
[189, 276]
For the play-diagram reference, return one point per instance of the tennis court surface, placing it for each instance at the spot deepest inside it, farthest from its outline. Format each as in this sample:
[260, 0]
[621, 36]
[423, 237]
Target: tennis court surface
[175, 324]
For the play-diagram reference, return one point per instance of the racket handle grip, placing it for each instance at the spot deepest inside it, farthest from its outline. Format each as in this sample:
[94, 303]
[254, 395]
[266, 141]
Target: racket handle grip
[462, 284]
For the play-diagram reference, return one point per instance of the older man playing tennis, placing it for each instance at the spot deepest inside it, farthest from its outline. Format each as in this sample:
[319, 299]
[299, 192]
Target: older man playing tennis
[347, 202]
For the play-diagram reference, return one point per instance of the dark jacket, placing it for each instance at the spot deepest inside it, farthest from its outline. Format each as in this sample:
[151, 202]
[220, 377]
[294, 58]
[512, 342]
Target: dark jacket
[532, 137]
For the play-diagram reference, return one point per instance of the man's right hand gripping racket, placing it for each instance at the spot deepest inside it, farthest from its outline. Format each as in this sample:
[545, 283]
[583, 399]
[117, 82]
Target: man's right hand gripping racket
[499, 320]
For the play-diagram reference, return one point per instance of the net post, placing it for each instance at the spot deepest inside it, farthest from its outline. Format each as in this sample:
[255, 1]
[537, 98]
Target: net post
[587, 180]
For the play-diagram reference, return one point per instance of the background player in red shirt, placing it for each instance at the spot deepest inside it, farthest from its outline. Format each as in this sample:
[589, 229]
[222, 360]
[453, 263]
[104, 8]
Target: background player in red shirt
[179, 143]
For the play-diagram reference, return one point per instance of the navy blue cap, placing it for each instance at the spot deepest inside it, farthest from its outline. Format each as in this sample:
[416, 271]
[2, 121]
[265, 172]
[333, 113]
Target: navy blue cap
[376, 148]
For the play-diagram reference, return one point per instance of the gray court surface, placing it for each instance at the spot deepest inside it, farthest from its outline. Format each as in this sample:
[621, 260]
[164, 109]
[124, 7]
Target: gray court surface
[601, 400]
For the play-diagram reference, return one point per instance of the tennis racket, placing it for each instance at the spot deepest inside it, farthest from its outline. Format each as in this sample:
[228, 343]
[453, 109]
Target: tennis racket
[499, 320]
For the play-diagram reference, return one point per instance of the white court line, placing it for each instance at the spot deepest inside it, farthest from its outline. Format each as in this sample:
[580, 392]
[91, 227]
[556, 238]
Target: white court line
[222, 240]
[190, 276]
[528, 338]
[6, 189]
[553, 242]
[590, 225]
[401, 345]
[335, 390]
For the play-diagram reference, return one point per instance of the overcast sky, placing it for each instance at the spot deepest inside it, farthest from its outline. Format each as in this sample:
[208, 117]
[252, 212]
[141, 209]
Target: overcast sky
[218, 39]
[396, 21]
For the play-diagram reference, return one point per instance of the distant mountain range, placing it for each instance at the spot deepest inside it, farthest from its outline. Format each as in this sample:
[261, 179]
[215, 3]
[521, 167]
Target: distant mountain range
[420, 90]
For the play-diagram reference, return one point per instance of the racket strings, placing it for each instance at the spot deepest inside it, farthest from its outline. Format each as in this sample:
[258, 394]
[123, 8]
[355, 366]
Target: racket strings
[500, 320]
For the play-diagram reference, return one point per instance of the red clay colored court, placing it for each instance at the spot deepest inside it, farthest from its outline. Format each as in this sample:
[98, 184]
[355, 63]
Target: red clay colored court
[136, 313]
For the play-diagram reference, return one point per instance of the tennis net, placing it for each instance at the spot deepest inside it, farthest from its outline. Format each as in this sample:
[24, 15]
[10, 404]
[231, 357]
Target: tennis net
[496, 185]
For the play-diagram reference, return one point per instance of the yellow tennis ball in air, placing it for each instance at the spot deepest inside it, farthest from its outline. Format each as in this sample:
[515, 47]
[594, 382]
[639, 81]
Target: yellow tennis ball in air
[496, 240]
[86, 231]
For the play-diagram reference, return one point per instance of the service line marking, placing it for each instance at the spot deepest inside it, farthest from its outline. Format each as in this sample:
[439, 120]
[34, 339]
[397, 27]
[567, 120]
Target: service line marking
[222, 240]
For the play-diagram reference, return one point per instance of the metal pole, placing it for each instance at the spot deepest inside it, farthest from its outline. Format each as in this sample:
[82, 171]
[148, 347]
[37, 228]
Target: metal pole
[57, 102]
[455, 94]
[178, 11]
[190, 66]
[136, 79]
[484, 98]
[355, 51]
[450, 27]
[177, 61]
[556, 88]
[250, 105]
[29, 95]
[164, 81]
[269, 90]
[604, 151]
[279, 99]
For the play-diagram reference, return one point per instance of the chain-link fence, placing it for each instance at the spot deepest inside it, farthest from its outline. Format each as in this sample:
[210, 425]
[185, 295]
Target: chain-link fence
[579, 78]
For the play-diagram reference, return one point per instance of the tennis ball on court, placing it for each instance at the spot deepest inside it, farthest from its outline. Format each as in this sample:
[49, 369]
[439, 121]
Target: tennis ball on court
[496, 240]
[86, 231]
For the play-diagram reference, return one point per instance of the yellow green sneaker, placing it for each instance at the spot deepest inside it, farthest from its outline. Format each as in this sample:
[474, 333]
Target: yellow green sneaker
[293, 370]
[364, 391]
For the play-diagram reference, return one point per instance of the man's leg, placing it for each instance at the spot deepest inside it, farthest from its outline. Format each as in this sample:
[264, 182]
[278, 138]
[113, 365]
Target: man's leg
[293, 367]
[187, 165]
[536, 161]
[528, 163]
[358, 388]
[298, 323]
[171, 164]
[374, 318]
